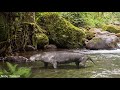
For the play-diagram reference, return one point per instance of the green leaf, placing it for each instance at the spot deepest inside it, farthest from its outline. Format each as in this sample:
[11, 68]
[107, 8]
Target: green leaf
[1, 72]
[11, 67]
[5, 72]
[23, 72]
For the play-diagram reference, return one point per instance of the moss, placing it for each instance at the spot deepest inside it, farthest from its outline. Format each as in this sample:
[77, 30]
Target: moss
[112, 28]
[89, 35]
[36, 27]
[96, 40]
[61, 32]
[40, 40]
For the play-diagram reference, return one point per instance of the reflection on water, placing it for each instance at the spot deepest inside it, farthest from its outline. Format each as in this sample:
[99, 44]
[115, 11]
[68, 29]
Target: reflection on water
[107, 66]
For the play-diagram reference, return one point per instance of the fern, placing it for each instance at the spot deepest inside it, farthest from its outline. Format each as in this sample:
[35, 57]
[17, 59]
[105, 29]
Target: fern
[12, 68]
[14, 71]
[5, 72]
[1, 72]
[23, 72]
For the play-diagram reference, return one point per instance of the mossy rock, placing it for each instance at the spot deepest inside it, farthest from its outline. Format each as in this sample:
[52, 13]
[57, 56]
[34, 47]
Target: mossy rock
[112, 28]
[89, 35]
[3, 30]
[97, 40]
[103, 42]
[60, 31]
[96, 43]
[40, 40]
[118, 34]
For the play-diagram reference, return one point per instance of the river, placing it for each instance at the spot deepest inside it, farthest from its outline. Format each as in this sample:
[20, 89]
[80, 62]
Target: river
[107, 65]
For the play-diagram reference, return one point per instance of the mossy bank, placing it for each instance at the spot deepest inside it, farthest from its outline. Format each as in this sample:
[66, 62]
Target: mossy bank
[61, 32]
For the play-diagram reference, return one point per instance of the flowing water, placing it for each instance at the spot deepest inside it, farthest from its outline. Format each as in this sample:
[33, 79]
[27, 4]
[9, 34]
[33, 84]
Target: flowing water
[107, 66]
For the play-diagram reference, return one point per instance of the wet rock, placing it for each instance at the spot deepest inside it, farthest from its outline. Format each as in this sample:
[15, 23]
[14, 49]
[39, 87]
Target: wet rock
[102, 43]
[51, 46]
[29, 48]
[99, 31]
[102, 40]
[16, 59]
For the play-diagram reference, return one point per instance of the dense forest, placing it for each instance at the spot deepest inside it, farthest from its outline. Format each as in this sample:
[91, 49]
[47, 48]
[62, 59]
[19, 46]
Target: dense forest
[63, 29]
[32, 31]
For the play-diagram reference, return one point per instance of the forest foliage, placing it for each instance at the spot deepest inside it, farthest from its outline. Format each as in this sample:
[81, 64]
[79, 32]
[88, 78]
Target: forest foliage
[18, 29]
[13, 71]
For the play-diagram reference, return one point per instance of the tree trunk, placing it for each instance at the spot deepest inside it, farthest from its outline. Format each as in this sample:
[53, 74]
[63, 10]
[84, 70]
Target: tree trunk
[18, 32]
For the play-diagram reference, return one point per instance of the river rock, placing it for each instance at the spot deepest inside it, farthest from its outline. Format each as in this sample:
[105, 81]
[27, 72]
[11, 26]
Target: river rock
[103, 40]
[50, 46]
[29, 48]
[16, 59]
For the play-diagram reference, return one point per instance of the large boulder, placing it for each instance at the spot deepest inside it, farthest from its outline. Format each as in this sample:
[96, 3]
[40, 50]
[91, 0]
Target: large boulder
[103, 40]
[61, 32]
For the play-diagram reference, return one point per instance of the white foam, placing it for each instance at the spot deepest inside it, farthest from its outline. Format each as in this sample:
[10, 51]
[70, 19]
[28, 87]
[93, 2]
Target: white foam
[97, 51]
[106, 73]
